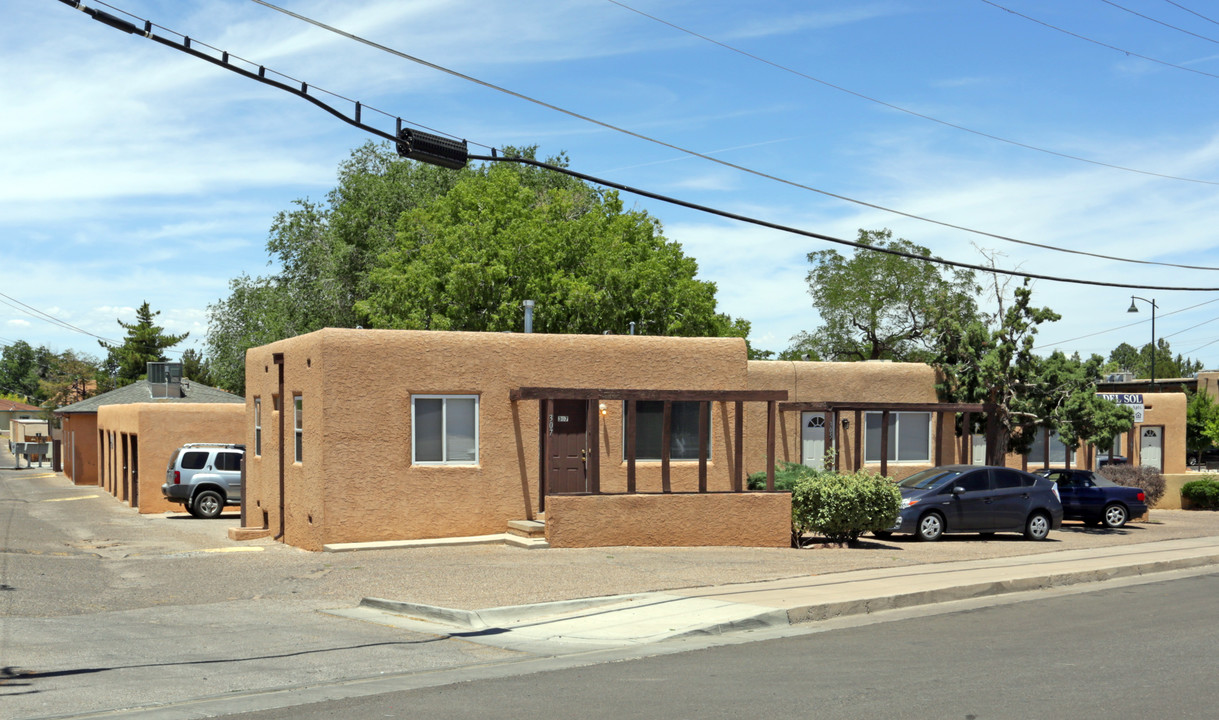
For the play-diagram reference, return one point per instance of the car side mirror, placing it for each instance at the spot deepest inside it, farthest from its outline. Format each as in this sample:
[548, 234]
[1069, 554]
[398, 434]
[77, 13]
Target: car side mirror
[958, 490]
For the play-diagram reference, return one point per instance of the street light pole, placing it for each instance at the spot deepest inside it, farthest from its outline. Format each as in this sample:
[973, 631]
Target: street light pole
[1134, 309]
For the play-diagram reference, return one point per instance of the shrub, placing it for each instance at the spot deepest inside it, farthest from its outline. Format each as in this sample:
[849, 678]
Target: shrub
[1147, 479]
[786, 475]
[1202, 493]
[842, 507]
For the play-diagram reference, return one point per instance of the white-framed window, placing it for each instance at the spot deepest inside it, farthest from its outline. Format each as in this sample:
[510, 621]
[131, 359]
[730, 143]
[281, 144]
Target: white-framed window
[298, 426]
[1058, 451]
[444, 430]
[909, 437]
[649, 430]
[257, 427]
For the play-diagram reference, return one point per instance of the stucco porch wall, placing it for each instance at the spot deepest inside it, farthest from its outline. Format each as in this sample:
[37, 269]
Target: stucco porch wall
[80, 449]
[147, 434]
[669, 520]
[356, 481]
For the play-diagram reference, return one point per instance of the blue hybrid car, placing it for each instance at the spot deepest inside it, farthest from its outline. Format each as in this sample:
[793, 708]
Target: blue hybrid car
[977, 499]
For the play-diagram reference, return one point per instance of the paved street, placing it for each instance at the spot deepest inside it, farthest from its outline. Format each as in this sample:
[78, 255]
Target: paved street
[103, 608]
[1136, 651]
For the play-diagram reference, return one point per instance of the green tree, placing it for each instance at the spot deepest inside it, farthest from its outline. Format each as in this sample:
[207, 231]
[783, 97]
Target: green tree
[466, 260]
[19, 371]
[1066, 399]
[145, 343]
[1201, 422]
[1138, 361]
[876, 305]
[195, 367]
[70, 378]
[990, 359]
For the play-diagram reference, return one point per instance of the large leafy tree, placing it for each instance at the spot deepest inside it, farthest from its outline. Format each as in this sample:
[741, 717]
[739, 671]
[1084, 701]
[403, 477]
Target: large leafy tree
[466, 260]
[69, 378]
[374, 255]
[876, 305]
[145, 342]
[1201, 422]
[19, 370]
[1067, 401]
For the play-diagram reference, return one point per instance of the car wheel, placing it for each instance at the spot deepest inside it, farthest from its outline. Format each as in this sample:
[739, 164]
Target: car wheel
[1114, 516]
[207, 504]
[1193, 461]
[930, 527]
[1037, 527]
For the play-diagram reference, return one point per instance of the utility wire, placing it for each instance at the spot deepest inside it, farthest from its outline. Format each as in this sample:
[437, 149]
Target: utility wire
[1122, 327]
[1094, 42]
[1176, 4]
[907, 111]
[494, 157]
[704, 156]
[1158, 22]
[40, 315]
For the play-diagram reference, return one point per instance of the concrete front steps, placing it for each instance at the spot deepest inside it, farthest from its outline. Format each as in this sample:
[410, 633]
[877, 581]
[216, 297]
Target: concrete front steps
[528, 534]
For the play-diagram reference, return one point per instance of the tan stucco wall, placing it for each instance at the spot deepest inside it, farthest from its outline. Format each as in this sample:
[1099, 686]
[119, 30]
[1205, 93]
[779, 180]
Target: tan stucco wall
[80, 451]
[1208, 382]
[736, 519]
[150, 432]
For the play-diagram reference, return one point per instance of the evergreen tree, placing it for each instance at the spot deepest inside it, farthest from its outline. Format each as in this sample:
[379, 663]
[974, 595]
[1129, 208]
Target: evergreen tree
[145, 343]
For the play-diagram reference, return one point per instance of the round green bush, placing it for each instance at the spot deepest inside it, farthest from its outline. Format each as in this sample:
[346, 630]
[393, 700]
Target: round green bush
[841, 507]
[1202, 493]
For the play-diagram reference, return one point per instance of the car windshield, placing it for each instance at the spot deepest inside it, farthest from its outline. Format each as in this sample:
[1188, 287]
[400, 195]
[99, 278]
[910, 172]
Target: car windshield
[929, 478]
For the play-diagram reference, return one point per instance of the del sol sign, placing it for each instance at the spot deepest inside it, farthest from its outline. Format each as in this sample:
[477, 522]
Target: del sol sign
[1134, 400]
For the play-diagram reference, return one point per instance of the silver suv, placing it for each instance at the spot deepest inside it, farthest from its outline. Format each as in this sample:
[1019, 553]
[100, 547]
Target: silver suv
[205, 477]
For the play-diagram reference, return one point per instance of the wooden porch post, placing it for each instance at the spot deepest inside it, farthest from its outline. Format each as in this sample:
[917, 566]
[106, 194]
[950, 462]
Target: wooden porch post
[704, 437]
[967, 436]
[547, 419]
[771, 408]
[593, 453]
[666, 436]
[630, 446]
[837, 430]
[858, 441]
[884, 442]
[939, 445]
[738, 470]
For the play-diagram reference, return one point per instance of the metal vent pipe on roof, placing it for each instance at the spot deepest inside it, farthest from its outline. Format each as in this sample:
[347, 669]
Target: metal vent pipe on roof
[528, 304]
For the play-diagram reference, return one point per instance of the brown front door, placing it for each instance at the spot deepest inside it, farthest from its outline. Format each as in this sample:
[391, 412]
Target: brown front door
[568, 428]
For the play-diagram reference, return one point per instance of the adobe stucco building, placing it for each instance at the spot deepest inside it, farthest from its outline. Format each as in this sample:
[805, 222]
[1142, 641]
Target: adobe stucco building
[364, 435]
[126, 451]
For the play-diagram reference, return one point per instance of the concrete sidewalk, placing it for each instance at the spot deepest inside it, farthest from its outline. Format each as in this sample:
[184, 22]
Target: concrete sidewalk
[651, 617]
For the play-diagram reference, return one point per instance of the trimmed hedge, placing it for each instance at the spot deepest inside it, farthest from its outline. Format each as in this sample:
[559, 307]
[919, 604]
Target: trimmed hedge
[1202, 493]
[843, 507]
[1147, 479]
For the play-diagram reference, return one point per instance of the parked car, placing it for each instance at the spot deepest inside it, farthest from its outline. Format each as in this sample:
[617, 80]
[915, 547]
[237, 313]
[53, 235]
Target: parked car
[1094, 499]
[977, 499]
[205, 477]
[1115, 460]
[1208, 458]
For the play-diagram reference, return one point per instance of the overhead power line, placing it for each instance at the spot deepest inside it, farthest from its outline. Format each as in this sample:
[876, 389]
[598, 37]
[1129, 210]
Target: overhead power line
[1158, 22]
[1095, 42]
[704, 156]
[1123, 327]
[45, 317]
[302, 91]
[1176, 4]
[907, 111]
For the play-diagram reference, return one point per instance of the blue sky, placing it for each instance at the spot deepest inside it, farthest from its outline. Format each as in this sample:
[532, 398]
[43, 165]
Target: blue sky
[131, 172]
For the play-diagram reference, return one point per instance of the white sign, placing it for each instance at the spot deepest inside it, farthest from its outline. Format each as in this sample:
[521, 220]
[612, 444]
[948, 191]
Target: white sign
[1134, 400]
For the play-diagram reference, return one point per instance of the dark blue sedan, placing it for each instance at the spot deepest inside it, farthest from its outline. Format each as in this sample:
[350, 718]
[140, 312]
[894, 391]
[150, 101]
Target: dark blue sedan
[1095, 500]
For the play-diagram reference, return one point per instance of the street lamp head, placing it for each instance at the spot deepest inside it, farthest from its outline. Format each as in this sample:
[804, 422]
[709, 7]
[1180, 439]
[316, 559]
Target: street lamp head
[1132, 306]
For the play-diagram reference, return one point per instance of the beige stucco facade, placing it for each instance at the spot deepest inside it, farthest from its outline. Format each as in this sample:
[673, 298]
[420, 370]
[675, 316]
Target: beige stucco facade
[80, 447]
[134, 443]
[356, 481]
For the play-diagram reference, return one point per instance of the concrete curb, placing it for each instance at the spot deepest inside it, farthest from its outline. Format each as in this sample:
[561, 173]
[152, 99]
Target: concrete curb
[499, 616]
[830, 610]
